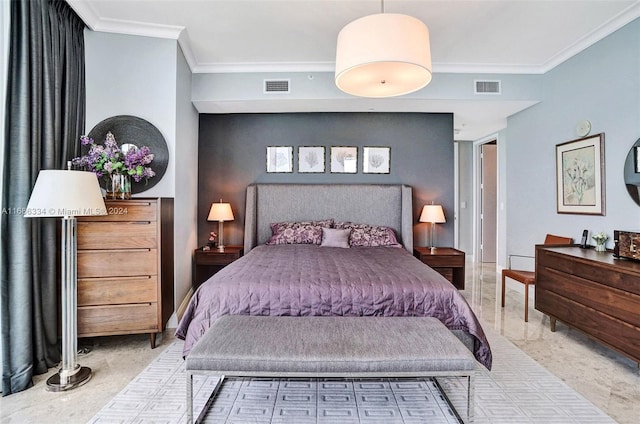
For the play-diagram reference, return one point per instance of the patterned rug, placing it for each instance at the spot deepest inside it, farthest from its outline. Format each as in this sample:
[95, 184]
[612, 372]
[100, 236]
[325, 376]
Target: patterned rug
[517, 390]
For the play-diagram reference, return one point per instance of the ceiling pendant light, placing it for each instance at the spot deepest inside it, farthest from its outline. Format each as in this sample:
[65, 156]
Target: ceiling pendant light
[383, 55]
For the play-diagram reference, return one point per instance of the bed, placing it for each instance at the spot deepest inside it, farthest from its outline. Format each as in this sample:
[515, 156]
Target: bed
[304, 279]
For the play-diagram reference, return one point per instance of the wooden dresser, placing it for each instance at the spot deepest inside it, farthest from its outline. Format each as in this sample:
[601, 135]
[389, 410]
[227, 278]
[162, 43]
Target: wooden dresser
[592, 292]
[125, 269]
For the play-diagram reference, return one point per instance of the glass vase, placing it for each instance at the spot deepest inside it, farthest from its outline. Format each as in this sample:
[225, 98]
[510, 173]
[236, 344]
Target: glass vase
[600, 247]
[119, 187]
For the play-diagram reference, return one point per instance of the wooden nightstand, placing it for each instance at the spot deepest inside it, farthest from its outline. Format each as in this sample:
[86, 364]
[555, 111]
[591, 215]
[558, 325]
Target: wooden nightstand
[447, 261]
[206, 263]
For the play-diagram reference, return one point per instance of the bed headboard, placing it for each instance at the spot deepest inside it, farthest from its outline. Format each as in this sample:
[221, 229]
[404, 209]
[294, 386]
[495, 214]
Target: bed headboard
[374, 204]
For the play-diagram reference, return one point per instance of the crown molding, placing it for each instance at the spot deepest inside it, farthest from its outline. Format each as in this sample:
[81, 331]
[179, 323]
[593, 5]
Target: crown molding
[608, 28]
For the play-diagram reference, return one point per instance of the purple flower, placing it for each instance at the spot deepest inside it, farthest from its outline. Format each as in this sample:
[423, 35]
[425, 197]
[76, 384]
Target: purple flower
[108, 159]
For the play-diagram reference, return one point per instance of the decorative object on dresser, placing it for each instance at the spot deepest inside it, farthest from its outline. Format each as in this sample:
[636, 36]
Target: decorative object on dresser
[580, 176]
[206, 263]
[626, 244]
[592, 292]
[67, 194]
[600, 239]
[125, 269]
[447, 261]
[220, 212]
[435, 215]
[118, 165]
[131, 130]
[528, 278]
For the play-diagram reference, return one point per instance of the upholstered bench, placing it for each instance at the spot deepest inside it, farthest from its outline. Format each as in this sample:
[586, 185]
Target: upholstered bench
[345, 347]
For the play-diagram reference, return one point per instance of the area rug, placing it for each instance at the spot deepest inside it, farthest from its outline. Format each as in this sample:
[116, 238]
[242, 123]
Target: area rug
[517, 390]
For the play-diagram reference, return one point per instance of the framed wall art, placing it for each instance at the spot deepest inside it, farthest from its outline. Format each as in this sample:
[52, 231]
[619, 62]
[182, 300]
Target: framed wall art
[280, 159]
[311, 159]
[580, 176]
[344, 160]
[376, 160]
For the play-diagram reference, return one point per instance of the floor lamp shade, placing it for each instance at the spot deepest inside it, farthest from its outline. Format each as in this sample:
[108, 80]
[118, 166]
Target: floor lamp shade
[220, 212]
[383, 55]
[67, 194]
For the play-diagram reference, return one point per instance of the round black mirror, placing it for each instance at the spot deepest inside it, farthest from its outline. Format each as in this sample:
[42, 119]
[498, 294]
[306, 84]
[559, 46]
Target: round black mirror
[632, 172]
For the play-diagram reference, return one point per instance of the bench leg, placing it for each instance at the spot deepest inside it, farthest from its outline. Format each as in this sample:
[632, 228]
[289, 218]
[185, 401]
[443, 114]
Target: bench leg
[208, 403]
[189, 398]
[471, 399]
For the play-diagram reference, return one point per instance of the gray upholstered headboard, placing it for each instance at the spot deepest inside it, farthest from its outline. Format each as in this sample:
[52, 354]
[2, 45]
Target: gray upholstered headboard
[389, 205]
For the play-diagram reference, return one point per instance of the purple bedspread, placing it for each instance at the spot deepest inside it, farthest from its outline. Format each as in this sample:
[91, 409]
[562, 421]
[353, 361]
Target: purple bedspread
[302, 280]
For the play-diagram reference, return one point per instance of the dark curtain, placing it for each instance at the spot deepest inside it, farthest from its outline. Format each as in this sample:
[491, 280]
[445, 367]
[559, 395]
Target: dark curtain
[44, 120]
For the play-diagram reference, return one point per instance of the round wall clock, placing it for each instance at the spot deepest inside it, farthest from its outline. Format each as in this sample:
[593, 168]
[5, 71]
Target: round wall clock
[583, 128]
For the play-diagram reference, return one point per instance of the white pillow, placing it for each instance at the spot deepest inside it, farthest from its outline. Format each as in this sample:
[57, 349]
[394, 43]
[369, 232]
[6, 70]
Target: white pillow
[332, 237]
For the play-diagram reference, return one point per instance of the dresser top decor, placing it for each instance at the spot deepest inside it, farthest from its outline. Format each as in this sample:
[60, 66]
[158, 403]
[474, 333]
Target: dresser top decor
[136, 131]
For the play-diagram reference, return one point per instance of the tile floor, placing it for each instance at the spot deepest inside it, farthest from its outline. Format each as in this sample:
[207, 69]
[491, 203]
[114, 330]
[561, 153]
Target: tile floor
[607, 379]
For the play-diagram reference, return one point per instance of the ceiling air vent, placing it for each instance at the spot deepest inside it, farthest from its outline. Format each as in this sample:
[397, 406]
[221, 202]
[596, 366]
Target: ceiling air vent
[487, 86]
[276, 86]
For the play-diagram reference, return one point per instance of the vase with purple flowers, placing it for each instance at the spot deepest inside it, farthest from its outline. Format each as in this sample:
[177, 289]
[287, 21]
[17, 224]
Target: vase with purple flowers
[116, 165]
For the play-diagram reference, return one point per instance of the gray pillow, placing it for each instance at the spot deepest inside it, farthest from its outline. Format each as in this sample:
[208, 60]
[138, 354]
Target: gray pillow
[335, 238]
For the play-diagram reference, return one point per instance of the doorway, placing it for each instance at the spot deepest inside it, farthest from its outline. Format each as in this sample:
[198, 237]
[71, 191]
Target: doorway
[487, 201]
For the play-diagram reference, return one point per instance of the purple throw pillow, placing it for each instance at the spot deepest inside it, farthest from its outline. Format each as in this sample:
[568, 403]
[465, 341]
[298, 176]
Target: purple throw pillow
[332, 237]
[305, 232]
[369, 235]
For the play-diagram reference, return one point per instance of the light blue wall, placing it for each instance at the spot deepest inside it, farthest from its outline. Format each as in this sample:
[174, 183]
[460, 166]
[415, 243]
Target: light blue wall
[186, 180]
[601, 84]
[131, 75]
[150, 78]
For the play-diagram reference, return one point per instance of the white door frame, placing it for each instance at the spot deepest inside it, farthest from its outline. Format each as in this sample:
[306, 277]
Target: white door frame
[477, 170]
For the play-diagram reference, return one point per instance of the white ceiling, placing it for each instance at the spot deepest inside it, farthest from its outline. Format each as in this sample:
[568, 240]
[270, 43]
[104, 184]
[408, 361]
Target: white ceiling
[474, 36]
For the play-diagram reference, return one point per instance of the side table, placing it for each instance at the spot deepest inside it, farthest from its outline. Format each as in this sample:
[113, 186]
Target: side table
[446, 260]
[208, 262]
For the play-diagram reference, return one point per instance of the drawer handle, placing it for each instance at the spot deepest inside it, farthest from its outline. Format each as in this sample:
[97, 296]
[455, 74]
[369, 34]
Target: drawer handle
[133, 278]
[113, 251]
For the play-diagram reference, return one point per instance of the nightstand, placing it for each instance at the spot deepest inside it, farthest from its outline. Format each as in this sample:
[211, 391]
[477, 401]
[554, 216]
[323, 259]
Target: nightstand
[206, 263]
[447, 261]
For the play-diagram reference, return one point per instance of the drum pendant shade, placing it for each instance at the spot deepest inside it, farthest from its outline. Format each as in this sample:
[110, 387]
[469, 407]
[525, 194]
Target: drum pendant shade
[383, 55]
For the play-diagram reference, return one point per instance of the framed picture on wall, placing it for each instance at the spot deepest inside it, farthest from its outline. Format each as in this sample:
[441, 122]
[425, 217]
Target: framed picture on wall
[344, 160]
[376, 160]
[580, 176]
[280, 159]
[311, 159]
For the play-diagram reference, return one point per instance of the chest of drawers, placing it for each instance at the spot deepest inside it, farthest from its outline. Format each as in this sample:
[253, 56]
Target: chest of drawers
[125, 269]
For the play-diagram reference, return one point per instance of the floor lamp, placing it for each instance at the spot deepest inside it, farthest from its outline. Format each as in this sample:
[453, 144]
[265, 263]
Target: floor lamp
[435, 215]
[67, 194]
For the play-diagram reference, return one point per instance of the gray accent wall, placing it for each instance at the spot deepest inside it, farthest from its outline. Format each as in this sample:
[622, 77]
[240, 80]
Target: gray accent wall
[232, 155]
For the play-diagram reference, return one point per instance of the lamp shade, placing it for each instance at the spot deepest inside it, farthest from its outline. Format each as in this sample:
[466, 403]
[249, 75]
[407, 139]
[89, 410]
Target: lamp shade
[433, 214]
[220, 212]
[59, 193]
[383, 55]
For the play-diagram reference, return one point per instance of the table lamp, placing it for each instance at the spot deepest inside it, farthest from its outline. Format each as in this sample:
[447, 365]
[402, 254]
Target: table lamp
[67, 194]
[220, 212]
[435, 215]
